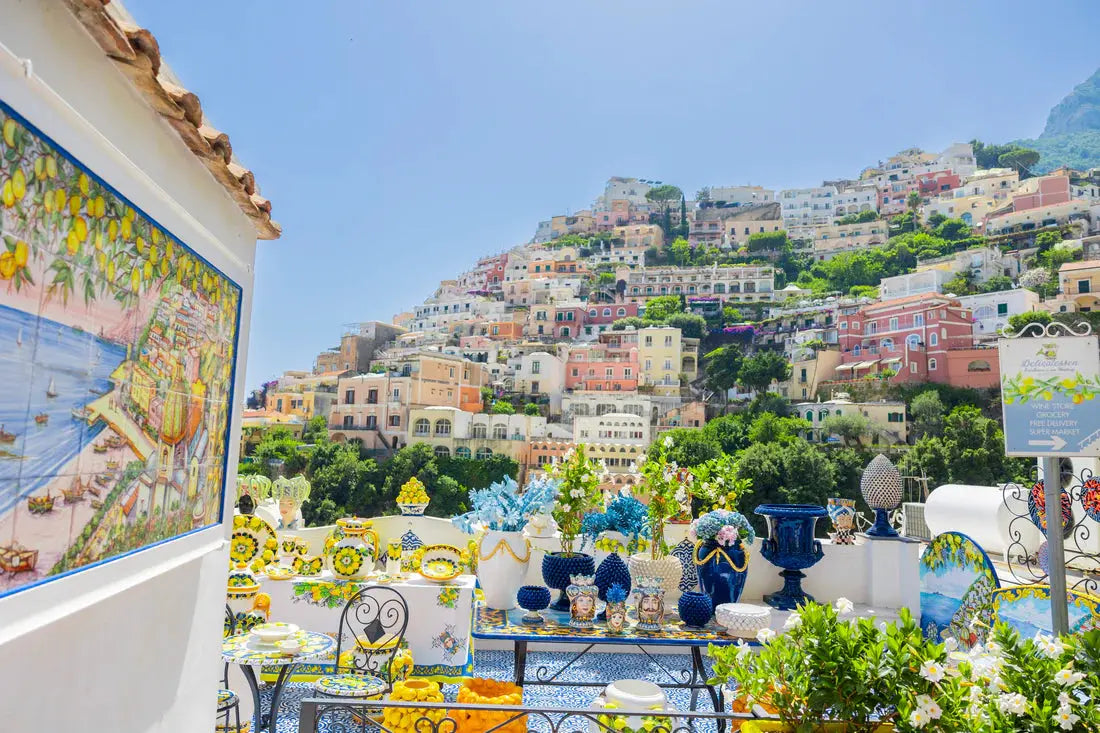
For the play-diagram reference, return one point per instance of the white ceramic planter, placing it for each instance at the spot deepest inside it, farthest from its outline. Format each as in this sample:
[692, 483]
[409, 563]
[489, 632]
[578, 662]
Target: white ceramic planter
[668, 569]
[502, 567]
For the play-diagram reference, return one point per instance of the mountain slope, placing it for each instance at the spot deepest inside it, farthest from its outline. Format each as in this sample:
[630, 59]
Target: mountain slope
[1072, 133]
[1078, 112]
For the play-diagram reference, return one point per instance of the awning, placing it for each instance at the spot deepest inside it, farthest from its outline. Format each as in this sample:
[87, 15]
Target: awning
[892, 360]
[866, 364]
[845, 366]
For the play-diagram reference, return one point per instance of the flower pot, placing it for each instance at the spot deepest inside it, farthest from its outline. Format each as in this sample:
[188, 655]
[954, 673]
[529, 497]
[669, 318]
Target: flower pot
[502, 559]
[722, 570]
[557, 569]
[667, 570]
[695, 608]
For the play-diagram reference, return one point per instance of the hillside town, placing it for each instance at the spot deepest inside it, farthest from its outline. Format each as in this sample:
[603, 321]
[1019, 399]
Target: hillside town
[653, 310]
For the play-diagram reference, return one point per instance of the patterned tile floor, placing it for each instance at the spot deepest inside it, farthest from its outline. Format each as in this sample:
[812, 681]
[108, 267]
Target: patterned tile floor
[498, 665]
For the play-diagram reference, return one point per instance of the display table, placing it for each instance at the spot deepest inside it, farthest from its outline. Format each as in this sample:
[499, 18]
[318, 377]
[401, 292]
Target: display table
[506, 625]
[438, 634]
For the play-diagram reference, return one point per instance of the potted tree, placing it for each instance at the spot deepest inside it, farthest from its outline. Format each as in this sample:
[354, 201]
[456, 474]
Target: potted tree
[667, 488]
[578, 478]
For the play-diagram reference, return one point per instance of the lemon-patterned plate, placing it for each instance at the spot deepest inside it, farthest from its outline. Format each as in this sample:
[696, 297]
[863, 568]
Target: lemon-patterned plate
[350, 685]
[252, 539]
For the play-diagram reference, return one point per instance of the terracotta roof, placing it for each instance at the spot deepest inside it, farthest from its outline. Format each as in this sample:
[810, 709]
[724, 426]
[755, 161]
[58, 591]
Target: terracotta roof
[906, 300]
[1082, 265]
[137, 55]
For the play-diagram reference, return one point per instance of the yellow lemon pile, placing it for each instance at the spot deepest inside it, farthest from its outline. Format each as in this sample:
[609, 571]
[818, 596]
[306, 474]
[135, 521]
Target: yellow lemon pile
[413, 689]
[412, 492]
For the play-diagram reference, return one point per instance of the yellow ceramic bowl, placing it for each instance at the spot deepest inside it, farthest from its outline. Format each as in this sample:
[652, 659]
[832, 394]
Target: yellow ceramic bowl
[440, 563]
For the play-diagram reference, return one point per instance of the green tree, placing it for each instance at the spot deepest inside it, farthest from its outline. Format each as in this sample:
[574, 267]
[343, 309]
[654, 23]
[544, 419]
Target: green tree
[503, 407]
[767, 427]
[912, 202]
[975, 448]
[850, 427]
[858, 218]
[690, 324]
[768, 242]
[316, 430]
[762, 368]
[690, 447]
[531, 409]
[474, 473]
[1022, 159]
[630, 322]
[665, 196]
[279, 444]
[928, 458]
[680, 251]
[722, 367]
[660, 308]
[927, 412]
[730, 431]
[953, 229]
[1046, 240]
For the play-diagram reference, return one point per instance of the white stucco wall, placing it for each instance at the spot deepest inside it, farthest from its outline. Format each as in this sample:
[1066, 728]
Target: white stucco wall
[131, 645]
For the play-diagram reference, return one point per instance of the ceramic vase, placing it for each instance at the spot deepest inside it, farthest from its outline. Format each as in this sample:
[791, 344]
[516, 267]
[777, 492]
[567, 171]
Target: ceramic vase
[557, 569]
[695, 608]
[352, 558]
[842, 514]
[533, 599]
[289, 548]
[582, 594]
[612, 570]
[722, 570]
[502, 559]
[667, 571]
[393, 557]
[791, 545]
[615, 613]
[649, 597]
[249, 606]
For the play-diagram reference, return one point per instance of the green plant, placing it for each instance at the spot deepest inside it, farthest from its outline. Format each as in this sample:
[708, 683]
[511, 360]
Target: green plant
[579, 491]
[667, 486]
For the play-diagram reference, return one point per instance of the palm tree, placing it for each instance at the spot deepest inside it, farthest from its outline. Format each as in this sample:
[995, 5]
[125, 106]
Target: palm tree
[913, 201]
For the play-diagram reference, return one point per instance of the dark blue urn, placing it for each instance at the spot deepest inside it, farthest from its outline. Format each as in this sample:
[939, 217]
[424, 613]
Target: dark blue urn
[558, 567]
[791, 545]
[722, 570]
[612, 570]
[695, 608]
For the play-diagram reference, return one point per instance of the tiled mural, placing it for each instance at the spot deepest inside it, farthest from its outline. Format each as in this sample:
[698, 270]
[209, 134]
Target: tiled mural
[117, 347]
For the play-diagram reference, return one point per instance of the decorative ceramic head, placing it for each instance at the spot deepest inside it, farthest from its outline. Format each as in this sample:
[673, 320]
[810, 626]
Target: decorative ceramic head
[651, 603]
[291, 493]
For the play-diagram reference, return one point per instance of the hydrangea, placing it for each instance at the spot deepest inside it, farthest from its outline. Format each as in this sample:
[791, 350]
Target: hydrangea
[616, 593]
[624, 514]
[504, 507]
[711, 527]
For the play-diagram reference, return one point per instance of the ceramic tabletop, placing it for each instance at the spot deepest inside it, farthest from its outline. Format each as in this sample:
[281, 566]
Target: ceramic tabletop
[493, 624]
[247, 649]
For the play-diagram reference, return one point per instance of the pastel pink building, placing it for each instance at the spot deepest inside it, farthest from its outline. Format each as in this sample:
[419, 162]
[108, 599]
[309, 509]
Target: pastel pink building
[569, 320]
[618, 215]
[601, 367]
[894, 197]
[1045, 191]
[604, 314]
[921, 338]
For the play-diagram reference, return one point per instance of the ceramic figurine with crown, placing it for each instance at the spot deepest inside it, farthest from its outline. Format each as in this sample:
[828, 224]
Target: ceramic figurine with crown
[616, 609]
[650, 600]
[582, 592]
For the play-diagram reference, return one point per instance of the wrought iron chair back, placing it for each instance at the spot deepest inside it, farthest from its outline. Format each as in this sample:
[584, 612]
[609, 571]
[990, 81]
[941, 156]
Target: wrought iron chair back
[373, 625]
[224, 709]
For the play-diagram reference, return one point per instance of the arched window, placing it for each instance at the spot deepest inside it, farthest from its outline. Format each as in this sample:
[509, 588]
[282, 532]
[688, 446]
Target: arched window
[483, 454]
[622, 312]
[479, 431]
[462, 452]
[978, 366]
[888, 344]
[423, 427]
[912, 341]
[442, 451]
[719, 287]
[442, 427]
[933, 338]
[932, 365]
[809, 415]
[500, 432]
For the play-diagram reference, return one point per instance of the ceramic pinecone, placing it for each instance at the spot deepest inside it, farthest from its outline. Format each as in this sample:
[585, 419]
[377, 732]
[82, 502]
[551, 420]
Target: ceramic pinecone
[612, 570]
[881, 484]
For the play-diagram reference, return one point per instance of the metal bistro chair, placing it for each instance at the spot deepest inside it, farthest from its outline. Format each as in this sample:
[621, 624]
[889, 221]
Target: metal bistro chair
[228, 701]
[373, 624]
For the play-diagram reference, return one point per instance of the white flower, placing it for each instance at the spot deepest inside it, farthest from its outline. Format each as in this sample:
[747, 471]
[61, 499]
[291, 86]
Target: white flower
[918, 718]
[793, 621]
[1012, 703]
[566, 508]
[1050, 647]
[931, 671]
[843, 606]
[669, 442]
[765, 635]
[681, 496]
[743, 649]
[933, 710]
[1066, 718]
[1064, 699]
[950, 644]
[1067, 677]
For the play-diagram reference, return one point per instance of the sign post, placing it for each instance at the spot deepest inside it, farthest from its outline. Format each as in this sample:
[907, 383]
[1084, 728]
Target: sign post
[1049, 386]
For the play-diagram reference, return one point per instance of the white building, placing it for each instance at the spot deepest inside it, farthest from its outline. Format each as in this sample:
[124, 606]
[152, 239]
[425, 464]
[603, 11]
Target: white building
[913, 283]
[958, 157]
[803, 208]
[140, 632]
[619, 188]
[991, 311]
[854, 200]
[741, 195]
[983, 264]
[541, 374]
[613, 428]
[440, 313]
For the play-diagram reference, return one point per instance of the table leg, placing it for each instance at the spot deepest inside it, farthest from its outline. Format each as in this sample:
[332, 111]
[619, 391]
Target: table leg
[250, 678]
[520, 653]
[694, 681]
[276, 693]
[699, 672]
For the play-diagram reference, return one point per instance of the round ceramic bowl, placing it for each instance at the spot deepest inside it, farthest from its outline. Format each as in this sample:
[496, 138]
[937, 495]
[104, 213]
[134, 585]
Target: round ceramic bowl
[441, 563]
[279, 572]
[352, 525]
[743, 620]
[270, 633]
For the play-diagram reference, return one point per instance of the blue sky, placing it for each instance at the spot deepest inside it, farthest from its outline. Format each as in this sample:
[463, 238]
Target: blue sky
[398, 141]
